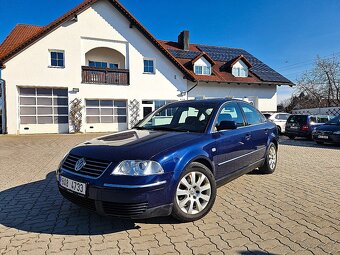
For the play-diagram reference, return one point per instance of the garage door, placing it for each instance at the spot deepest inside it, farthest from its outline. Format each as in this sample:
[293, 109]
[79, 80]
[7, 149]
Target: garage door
[106, 115]
[43, 110]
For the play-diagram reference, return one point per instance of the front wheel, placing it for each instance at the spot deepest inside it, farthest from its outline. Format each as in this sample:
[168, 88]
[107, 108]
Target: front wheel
[195, 193]
[269, 165]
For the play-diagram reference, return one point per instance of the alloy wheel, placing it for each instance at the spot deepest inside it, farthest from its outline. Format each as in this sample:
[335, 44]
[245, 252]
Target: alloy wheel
[193, 192]
[272, 157]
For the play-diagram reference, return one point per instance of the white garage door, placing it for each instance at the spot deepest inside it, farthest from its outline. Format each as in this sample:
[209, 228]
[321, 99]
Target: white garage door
[106, 115]
[43, 110]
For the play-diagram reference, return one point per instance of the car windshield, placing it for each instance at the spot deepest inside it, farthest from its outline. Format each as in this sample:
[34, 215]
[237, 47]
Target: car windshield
[180, 117]
[335, 121]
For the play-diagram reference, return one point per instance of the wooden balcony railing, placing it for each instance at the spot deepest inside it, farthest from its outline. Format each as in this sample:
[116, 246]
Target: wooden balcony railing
[95, 75]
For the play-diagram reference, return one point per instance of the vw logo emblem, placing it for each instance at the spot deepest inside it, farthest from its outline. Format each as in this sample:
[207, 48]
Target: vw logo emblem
[80, 164]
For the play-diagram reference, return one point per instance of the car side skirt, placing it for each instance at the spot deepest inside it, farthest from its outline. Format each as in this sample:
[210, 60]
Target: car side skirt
[236, 174]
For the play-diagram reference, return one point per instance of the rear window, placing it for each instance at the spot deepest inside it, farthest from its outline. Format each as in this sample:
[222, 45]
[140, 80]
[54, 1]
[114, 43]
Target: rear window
[301, 119]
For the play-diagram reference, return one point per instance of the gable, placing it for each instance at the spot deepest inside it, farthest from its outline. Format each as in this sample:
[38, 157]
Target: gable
[6, 53]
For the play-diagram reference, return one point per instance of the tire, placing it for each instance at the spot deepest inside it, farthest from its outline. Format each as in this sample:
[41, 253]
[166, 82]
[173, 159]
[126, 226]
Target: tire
[291, 137]
[270, 163]
[279, 130]
[190, 197]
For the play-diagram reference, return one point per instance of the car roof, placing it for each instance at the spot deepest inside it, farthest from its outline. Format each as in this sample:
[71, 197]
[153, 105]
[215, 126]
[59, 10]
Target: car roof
[212, 100]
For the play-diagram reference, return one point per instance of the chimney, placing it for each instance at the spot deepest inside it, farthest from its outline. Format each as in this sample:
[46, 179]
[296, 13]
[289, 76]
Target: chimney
[183, 40]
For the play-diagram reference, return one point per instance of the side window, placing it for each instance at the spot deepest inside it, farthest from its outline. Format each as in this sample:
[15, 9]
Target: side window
[231, 112]
[253, 116]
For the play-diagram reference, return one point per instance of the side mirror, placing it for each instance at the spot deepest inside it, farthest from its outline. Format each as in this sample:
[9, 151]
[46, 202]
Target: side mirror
[226, 125]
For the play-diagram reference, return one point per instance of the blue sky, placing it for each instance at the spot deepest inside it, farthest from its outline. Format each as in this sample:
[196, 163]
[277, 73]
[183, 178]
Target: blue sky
[287, 35]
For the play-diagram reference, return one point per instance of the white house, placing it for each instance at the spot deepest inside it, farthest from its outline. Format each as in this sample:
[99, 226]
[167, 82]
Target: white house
[99, 53]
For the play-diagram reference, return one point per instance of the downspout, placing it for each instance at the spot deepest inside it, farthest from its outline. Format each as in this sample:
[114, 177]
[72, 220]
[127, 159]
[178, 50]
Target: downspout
[197, 83]
[4, 108]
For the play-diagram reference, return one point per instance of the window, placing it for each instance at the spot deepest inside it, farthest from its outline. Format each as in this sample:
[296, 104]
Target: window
[57, 59]
[282, 116]
[98, 64]
[43, 106]
[160, 103]
[240, 69]
[203, 70]
[149, 66]
[106, 111]
[240, 72]
[253, 116]
[231, 112]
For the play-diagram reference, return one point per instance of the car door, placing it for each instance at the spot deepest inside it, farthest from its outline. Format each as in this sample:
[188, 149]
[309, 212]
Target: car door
[259, 130]
[232, 146]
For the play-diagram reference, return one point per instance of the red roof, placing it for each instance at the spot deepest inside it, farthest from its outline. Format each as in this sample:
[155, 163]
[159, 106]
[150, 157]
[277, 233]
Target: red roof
[18, 36]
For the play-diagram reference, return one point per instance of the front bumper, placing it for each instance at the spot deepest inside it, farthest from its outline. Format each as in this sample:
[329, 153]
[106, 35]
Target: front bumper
[335, 139]
[136, 199]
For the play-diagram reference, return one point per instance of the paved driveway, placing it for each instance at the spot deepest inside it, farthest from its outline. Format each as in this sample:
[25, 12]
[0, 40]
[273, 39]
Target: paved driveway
[294, 211]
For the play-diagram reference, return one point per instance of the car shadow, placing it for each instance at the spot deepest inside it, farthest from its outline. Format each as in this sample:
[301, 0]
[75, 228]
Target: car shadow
[304, 142]
[38, 207]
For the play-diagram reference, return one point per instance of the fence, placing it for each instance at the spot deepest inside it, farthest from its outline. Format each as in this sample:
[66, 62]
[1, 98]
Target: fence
[333, 111]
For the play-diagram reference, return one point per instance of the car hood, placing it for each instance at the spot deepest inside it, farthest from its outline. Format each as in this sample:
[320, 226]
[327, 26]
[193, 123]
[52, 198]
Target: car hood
[326, 127]
[132, 144]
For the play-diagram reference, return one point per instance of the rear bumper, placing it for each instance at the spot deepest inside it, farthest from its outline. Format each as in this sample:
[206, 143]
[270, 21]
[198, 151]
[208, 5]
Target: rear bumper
[297, 133]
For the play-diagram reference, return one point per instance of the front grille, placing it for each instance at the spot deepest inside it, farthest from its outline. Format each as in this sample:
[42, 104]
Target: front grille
[92, 168]
[78, 200]
[124, 210]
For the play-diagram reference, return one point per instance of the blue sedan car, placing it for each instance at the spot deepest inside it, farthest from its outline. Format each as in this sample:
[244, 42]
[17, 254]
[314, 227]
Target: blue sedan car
[171, 162]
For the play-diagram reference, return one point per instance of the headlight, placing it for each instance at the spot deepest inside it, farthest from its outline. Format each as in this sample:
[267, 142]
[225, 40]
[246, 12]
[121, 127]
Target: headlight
[336, 133]
[138, 168]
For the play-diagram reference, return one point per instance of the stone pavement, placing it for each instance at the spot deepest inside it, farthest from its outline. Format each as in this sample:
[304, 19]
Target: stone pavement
[294, 211]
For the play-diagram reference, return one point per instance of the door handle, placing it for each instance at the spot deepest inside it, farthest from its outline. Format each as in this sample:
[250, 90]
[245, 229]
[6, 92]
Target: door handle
[248, 136]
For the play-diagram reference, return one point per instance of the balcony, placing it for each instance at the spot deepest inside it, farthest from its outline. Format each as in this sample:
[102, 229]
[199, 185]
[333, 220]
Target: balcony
[93, 75]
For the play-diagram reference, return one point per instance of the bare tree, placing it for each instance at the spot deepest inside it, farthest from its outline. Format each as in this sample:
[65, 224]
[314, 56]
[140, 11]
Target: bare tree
[76, 116]
[320, 86]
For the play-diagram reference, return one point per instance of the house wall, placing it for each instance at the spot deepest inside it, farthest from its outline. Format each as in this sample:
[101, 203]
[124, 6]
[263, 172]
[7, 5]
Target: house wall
[263, 96]
[99, 26]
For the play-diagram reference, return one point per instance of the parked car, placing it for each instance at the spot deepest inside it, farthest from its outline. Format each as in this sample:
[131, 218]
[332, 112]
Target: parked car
[171, 162]
[280, 119]
[328, 133]
[267, 115]
[303, 125]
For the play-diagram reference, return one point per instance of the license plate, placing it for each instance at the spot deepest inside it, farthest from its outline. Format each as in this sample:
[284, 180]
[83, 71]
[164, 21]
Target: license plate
[75, 186]
[294, 127]
[323, 136]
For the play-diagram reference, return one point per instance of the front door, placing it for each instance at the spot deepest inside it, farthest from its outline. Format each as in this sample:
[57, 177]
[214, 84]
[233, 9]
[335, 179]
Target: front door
[232, 146]
[148, 107]
[259, 129]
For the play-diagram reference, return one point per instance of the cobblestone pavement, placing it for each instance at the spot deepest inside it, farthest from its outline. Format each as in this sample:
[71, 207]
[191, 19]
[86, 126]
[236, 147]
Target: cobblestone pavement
[294, 211]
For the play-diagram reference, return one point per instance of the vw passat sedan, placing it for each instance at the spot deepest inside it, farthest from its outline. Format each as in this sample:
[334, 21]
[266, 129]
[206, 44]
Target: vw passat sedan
[171, 162]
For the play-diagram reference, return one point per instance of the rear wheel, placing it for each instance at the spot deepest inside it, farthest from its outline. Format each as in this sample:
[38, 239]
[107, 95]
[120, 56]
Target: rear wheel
[269, 165]
[279, 130]
[195, 193]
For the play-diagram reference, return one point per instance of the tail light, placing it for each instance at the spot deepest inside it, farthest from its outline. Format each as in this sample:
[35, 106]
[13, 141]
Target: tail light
[305, 128]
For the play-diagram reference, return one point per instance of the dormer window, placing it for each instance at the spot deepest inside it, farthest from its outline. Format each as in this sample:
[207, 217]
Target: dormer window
[240, 69]
[202, 66]
[203, 70]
